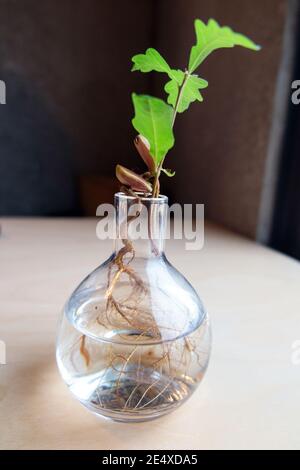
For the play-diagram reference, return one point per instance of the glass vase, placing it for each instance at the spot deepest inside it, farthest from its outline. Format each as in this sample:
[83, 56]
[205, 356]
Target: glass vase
[134, 338]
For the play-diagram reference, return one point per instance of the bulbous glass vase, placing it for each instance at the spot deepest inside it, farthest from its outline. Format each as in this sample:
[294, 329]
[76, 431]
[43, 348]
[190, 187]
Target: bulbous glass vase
[134, 339]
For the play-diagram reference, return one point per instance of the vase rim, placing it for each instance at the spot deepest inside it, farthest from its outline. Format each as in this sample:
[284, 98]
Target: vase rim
[161, 199]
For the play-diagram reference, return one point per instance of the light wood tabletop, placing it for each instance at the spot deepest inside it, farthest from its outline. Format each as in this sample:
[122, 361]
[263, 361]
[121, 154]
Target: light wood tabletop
[249, 398]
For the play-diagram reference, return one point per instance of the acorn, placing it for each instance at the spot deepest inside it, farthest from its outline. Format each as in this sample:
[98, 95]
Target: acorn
[132, 179]
[143, 147]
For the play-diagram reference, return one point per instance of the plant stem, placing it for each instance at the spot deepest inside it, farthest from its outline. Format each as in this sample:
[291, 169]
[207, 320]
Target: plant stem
[181, 88]
[156, 185]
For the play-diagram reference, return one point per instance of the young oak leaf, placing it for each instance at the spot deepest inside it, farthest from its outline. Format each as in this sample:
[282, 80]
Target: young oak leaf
[153, 120]
[168, 172]
[188, 93]
[211, 37]
[152, 61]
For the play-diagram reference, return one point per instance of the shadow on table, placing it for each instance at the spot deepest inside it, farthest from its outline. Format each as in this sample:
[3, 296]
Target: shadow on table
[45, 415]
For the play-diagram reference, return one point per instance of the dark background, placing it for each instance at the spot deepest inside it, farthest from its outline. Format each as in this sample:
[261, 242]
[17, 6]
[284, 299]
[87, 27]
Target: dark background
[67, 121]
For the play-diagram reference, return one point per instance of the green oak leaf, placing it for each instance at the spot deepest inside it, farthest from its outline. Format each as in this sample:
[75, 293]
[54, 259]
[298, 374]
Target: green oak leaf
[211, 37]
[188, 94]
[151, 61]
[153, 119]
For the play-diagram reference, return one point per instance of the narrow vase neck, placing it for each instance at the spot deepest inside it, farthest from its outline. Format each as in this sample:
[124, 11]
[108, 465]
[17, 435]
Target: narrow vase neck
[141, 224]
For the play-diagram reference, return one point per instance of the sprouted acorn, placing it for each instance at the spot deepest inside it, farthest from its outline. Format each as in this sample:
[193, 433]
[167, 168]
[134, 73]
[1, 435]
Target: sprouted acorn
[132, 180]
[143, 147]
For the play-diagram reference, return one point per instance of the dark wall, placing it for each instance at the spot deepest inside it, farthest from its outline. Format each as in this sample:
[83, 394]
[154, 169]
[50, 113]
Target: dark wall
[68, 112]
[285, 230]
[222, 143]
[66, 64]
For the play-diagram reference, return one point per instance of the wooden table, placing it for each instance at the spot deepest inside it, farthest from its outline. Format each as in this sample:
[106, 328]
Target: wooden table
[250, 395]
